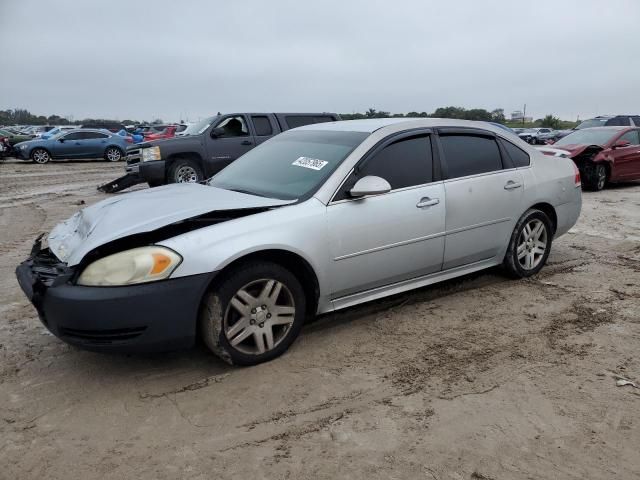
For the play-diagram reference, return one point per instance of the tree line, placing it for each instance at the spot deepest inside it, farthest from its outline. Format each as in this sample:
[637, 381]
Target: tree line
[21, 116]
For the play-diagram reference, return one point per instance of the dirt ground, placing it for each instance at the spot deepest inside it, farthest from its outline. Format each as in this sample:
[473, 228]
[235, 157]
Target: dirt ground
[478, 378]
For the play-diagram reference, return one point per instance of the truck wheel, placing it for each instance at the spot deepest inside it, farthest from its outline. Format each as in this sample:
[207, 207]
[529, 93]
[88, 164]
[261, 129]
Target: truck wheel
[185, 171]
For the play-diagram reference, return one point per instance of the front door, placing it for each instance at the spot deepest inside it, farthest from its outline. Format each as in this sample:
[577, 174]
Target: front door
[484, 201]
[225, 147]
[626, 160]
[383, 239]
[72, 146]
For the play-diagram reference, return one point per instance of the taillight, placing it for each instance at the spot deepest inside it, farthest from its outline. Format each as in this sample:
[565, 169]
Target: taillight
[576, 178]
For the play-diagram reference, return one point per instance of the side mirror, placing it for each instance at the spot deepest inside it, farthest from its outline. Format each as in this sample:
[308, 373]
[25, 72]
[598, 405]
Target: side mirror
[621, 144]
[61, 140]
[218, 132]
[370, 185]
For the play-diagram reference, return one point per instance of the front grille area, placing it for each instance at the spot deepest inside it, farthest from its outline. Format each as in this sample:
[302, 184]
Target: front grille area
[134, 156]
[102, 337]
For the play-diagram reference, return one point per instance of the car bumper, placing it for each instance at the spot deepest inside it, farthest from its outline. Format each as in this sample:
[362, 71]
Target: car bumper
[23, 154]
[157, 316]
[153, 172]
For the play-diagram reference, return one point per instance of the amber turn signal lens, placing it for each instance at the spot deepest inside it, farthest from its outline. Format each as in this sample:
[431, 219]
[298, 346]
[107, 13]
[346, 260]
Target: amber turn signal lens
[160, 263]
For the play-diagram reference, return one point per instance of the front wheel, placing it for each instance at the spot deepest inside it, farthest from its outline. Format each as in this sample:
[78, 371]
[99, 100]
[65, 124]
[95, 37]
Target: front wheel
[185, 171]
[113, 154]
[40, 155]
[254, 315]
[595, 176]
[529, 245]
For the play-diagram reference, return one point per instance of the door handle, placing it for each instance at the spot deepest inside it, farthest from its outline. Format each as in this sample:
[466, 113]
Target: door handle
[246, 142]
[427, 202]
[511, 185]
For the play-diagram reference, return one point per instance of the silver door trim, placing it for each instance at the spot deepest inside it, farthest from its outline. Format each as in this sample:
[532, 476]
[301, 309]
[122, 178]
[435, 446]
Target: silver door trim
[390, 245]
[478, 225]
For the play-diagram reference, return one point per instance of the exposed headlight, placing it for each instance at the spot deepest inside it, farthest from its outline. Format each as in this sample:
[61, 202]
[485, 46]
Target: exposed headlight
[23, 147]
[138, 265]
[152, 153]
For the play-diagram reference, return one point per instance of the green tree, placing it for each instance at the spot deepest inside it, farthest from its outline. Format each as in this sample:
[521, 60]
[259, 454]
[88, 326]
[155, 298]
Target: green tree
[550, 121]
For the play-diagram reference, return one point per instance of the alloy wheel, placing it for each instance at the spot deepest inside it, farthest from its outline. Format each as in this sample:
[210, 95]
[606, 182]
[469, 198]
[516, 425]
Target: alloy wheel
[41, 156]
[259, 316]
[186, 174]
[532, 244]
[114, 155]
[602, 177]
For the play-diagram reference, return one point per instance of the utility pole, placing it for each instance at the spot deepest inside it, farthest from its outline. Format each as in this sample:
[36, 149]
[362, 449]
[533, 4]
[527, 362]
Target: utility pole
[524, 113]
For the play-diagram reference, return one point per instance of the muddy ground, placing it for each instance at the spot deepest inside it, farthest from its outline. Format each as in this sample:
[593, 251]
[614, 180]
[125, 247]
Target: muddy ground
[479, 378]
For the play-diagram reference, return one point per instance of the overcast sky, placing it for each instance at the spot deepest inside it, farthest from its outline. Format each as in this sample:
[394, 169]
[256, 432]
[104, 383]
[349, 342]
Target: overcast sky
[190, 59]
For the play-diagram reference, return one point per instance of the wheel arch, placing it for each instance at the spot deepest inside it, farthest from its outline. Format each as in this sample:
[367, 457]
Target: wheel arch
[195, 156]
[292, 261]
[550, 211]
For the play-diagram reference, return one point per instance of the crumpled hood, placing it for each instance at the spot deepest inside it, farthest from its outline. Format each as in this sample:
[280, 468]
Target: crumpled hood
[143, 211]
[576, 149]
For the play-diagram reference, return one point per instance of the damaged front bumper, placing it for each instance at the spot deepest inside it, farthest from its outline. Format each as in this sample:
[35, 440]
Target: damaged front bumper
[155, 316]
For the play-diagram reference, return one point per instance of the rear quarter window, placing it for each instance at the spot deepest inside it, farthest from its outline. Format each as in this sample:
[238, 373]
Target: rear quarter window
[519, 158]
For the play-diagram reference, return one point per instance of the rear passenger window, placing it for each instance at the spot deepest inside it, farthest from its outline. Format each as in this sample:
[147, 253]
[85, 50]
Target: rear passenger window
[298, 120]
[470, 155]
[519, 158]
[263, 125]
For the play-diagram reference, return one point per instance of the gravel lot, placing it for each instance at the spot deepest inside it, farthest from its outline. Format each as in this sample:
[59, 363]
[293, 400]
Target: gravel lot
[478, 378]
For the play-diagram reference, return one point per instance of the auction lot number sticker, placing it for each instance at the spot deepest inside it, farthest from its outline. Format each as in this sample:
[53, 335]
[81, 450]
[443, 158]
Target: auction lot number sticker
[312, 163]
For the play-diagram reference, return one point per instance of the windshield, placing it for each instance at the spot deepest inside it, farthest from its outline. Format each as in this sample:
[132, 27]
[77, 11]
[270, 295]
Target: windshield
[198, 128]
[594, 122]
[590, 136]
[290, 165]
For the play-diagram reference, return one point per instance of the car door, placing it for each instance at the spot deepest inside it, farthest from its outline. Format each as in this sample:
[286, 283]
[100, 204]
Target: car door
[383, 239]
[264, 127]
[484, 199]
[626, 160]
[68, 146]
[223, 148]
[94, 144]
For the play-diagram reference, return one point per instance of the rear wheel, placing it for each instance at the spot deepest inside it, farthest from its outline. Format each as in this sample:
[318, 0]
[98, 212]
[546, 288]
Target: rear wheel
[185, 171]
[113, 154]
[254, 315]
[40, 155]
[529, 245]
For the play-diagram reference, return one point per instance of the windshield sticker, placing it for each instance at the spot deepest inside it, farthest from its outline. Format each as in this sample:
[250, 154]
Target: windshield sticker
[312, 163]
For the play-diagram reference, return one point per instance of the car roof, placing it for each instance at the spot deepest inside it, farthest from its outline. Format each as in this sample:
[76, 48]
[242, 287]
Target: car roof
[370, 125]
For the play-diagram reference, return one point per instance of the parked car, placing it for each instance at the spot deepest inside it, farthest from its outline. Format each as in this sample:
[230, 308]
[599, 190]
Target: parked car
[314, 220]
[81, 143]
[14, 138]
[167, 132]
[604, 154]
[207, 147]
[611, 121]
[532, 135]
[104, 125]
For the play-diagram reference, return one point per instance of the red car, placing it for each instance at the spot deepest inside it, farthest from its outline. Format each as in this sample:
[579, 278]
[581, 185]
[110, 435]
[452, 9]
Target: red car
[168, 132]
[603, 154]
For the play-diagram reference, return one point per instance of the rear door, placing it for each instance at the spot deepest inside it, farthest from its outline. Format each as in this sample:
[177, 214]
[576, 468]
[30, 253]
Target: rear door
[484, 196]
[95, 144]
[383, 239]
[223, 149]
[626, 160]
[264, 127]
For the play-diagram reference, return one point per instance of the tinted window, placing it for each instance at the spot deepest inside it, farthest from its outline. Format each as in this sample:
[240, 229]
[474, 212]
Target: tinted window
[618, 122]
[470, 155]
[263, 125]
[636, 120]
[92, 135]
[298, 120]
[631, 137]
[519, 157]
[74, 136]
[323, 119]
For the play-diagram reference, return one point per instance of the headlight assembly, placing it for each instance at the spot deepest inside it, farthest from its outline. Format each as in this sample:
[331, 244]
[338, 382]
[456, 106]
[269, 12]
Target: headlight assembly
[23, 147]
[152, 153]
[138, 265]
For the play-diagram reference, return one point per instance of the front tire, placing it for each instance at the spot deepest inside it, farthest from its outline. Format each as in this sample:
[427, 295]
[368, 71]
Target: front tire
[113, 154]
[254, 315]
[40, 155]
[595, 176]
[529, 245]
[185, 171]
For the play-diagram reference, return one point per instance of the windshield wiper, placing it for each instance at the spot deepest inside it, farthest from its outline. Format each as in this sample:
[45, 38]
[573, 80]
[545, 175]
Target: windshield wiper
[239, 190]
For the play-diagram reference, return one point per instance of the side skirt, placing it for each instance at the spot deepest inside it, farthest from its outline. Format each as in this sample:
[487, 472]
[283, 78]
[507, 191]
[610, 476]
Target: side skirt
[411, 284]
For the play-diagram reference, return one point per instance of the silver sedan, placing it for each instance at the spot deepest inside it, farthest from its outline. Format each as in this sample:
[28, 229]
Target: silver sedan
[314, 220]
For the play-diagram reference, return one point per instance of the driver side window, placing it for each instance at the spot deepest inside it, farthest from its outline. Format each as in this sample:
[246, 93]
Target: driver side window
[631, 137]
[74, 136]
[234, 127]
[404, 163]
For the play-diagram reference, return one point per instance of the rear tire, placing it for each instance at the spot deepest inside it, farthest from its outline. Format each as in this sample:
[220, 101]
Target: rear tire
[40, 155]
[113, 154]
[185, 171]
[529, 245]
[254, 314]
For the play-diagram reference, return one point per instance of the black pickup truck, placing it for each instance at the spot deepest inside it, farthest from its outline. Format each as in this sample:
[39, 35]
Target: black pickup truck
[205, 148]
